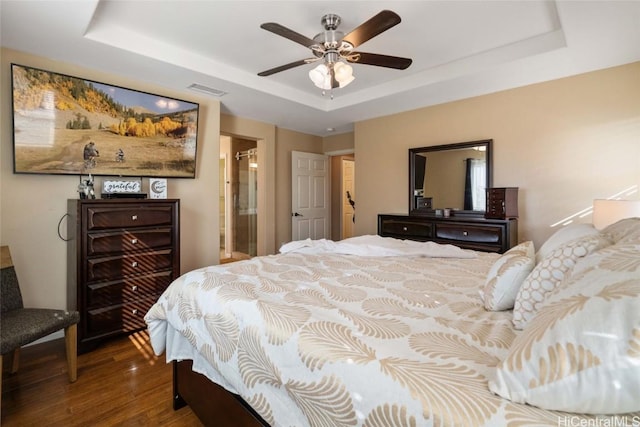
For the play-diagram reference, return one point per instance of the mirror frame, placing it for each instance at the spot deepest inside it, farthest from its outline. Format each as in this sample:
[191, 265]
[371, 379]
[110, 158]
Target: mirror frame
[413, 152]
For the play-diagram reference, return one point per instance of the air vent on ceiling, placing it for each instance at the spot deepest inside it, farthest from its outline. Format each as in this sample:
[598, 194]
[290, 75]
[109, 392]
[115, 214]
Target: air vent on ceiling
[206, 89]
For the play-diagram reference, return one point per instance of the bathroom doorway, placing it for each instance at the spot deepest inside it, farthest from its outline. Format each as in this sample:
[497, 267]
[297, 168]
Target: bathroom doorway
[239, 200]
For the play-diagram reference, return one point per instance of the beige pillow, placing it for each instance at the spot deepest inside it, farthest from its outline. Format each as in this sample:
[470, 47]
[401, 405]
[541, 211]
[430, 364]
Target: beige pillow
[506, 276]
[581, 353]
[563, 236]
[549, 272]
[627, 230]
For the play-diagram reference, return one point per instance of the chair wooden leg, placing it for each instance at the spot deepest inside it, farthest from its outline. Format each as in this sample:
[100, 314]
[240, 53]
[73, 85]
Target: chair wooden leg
[15, 360]
[70, 338]
[1, 360]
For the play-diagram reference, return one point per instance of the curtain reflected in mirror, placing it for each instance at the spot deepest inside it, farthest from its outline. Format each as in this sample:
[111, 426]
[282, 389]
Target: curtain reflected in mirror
[475, 195]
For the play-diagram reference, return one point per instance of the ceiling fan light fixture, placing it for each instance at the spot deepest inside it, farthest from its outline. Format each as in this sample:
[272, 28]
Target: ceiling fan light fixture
[321, 75]
[343, 73]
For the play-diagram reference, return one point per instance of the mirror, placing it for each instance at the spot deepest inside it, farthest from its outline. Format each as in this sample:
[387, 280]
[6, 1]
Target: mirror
[452, 176]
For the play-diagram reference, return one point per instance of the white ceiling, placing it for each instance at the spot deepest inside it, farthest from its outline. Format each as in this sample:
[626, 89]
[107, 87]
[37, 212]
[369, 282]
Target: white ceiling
[459, 49]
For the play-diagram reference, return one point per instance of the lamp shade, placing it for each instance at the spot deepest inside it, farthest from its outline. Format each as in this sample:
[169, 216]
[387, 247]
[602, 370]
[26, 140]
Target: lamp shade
[344, 73]
[606, 212]
[321, 75]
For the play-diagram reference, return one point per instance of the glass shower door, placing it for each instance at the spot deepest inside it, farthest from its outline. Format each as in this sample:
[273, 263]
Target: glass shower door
[245, 206]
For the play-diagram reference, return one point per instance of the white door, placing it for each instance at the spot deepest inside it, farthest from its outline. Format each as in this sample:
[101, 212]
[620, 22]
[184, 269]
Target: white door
[309, 196]
[348, 197]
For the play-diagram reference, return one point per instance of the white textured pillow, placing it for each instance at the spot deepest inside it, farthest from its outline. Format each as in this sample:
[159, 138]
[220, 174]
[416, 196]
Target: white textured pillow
[549, 272]
[506, 276]
[563, 236]
[581, 353]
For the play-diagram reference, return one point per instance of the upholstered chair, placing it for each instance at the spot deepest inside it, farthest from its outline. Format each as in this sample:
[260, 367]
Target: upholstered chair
[20, 326]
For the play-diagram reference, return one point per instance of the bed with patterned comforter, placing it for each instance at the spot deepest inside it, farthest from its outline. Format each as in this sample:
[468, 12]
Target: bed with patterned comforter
[332, 338]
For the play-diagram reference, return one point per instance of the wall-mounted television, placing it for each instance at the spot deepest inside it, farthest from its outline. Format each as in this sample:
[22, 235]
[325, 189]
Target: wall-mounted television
[73, 126]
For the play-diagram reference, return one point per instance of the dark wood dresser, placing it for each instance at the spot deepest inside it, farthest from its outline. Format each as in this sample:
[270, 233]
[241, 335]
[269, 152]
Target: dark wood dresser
[489, 235]
[122, 254]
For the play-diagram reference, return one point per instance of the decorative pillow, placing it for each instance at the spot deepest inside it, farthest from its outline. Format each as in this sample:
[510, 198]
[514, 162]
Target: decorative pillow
[547, 274]
[581, 353]
[563, 236]
[506, 276]
[627, 230]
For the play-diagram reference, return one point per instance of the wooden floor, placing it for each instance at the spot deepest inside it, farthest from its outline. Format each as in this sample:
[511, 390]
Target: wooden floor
[122, 383]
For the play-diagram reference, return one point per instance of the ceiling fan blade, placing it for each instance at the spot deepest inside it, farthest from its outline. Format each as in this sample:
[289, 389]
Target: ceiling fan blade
[287, 66]
[374, 26]
[379, 60]
[287, 33]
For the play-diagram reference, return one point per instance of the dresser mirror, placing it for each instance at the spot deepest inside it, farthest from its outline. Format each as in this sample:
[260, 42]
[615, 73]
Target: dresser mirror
[452, 176]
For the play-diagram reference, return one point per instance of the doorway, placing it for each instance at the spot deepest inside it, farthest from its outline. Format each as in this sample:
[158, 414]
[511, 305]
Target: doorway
[239, 200]
[343, 208]
[348, 197]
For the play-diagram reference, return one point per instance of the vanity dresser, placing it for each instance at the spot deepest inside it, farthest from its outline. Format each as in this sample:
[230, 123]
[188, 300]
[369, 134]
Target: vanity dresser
[450, 188]
[121, 255]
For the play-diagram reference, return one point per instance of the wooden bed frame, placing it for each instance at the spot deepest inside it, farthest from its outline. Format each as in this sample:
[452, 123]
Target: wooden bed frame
[212, 404]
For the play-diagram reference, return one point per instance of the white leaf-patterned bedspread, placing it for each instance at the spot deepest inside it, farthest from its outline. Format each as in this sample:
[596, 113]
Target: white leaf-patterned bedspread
[340, 340]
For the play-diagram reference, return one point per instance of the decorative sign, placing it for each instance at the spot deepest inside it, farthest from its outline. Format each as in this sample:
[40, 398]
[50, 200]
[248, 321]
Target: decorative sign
[128, 185]
[157, 188]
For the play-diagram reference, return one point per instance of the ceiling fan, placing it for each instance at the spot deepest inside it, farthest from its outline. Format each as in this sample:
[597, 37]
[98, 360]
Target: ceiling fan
[336, 49]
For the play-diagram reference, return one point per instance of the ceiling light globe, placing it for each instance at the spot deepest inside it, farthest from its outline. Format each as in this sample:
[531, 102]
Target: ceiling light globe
[343, 73]
[320, 77]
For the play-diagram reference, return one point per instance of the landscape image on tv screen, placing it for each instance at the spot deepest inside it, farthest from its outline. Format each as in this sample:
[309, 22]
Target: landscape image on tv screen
[73, 126]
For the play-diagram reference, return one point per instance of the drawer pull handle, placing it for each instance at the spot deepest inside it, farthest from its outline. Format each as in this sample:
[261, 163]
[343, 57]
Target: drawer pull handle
[465, 233]
[134, 241]
[134, 264]
[404, 228]
[134, 217]
[134, 288]
[134, 311]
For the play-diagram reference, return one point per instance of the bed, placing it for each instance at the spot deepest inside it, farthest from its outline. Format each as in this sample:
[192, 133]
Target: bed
[376, 331]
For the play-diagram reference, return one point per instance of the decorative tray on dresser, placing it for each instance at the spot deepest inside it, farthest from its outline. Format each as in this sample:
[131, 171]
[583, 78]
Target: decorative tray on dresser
[489, 235]
[122, 254]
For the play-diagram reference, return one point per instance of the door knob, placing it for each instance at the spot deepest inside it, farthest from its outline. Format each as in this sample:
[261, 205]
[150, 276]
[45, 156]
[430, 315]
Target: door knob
[296, 214]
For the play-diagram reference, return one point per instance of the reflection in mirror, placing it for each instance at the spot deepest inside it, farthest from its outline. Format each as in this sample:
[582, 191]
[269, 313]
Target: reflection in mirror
[453, 176]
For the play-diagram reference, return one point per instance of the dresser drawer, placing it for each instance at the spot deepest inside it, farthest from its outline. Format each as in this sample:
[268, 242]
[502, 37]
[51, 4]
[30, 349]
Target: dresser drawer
[116, 267]
[469, 233]
[99, 218]
[105, 294]
[406, 228]
[102, 243]
[118, 318]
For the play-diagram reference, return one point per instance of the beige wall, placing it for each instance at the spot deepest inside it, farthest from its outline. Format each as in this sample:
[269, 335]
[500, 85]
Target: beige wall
[341, 143]
[289, 141]
[563, 143]
[32, 205]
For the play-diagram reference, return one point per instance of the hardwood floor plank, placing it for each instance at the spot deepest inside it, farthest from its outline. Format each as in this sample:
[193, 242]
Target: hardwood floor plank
[121, 383]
